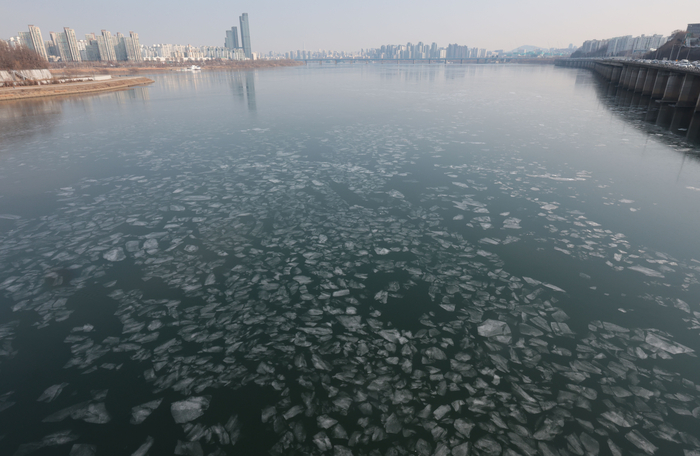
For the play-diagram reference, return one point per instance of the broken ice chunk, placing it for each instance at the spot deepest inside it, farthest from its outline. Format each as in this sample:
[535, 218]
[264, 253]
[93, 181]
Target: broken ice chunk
[512, 223]
[52, 392]
[189, 409]
[292, 412]
[668, 346]
[319, 363]
[592, 446]
[83, 449]
[491, 328]
[322, 441]
[641, 442]
[463, 427]
[461, 450]
[352, 323]
[488, 445]
[116, 254]
[441, 411]
[325, 421]
[86, 411]
[132, 246]
[392, 424]
[646, 271]
[188, 449]
[140, 412]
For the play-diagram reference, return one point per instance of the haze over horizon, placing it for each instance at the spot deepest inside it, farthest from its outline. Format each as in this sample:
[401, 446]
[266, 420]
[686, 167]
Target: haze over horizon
[282, 26]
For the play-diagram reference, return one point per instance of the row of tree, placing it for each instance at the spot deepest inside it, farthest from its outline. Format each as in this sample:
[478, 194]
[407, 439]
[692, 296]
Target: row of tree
[20, 58]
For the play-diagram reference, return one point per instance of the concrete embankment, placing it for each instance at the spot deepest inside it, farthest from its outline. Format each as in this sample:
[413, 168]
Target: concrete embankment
[664, 82]
[52, 90]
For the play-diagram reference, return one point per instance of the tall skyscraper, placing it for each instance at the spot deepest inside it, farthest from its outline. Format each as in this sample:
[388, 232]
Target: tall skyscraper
[232, 39]
[245, 36]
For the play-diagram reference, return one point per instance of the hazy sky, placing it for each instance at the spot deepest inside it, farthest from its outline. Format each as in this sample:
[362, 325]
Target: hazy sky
[283, 25]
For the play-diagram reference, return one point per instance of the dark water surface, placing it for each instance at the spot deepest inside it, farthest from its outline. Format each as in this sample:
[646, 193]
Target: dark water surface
[360, 259]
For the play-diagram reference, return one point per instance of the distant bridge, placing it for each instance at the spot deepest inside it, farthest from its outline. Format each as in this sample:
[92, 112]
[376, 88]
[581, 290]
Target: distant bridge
[480, 60]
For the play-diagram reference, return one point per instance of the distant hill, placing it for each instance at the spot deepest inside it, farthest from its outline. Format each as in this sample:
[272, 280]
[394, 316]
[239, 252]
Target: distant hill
[528, 48]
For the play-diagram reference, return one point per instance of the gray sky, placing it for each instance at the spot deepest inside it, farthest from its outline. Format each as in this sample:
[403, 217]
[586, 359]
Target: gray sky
[277, 25]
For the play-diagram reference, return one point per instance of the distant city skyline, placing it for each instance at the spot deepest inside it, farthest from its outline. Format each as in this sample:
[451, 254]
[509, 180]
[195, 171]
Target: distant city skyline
[283, 26]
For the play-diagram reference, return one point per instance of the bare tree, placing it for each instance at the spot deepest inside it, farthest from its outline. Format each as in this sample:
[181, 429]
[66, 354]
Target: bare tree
[20, 58]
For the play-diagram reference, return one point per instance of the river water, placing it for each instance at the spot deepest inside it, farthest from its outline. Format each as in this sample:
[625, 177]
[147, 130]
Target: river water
[350, 259]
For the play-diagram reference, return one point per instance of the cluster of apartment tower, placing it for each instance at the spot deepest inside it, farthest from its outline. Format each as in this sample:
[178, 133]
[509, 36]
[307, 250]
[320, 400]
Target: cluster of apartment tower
[625, 45]
[391, 51]
[65, 47]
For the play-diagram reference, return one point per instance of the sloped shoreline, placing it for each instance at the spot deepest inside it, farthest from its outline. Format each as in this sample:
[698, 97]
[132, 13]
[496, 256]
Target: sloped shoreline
[52, 90]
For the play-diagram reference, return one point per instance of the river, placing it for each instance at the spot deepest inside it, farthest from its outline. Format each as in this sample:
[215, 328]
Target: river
[344, 259]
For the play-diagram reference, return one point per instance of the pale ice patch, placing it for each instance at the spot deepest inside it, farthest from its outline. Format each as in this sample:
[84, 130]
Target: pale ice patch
[646, 271]
[116, 254]
[493, 328]
[189, 409]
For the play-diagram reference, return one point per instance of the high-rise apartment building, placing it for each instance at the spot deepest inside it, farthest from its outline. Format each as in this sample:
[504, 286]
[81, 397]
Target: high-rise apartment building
[133, 47]
[38, 41]
[72, 43]
[120, 47]
[32, 40]
[25, 39]
[106, 46]
[245, 36]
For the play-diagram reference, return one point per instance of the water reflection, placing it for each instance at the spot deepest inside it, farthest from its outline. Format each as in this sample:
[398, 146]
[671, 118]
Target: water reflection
[650, 115]
[26, 118]
[243, 88]
[134, 94]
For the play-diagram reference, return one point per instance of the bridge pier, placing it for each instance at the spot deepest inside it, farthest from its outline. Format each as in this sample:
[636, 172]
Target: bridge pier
[673, 88]
[609, 72]
[681, 118]
[649, 81]
[626, 77]
[641, 77]
[632, 79]
[694, 129]
[660, 84]
[615, 75]
[652, 112]
[665, 116]
[689, 92]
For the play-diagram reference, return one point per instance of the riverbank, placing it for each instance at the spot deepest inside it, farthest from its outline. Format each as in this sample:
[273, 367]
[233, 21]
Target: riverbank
[119, 68]
[51, 90]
